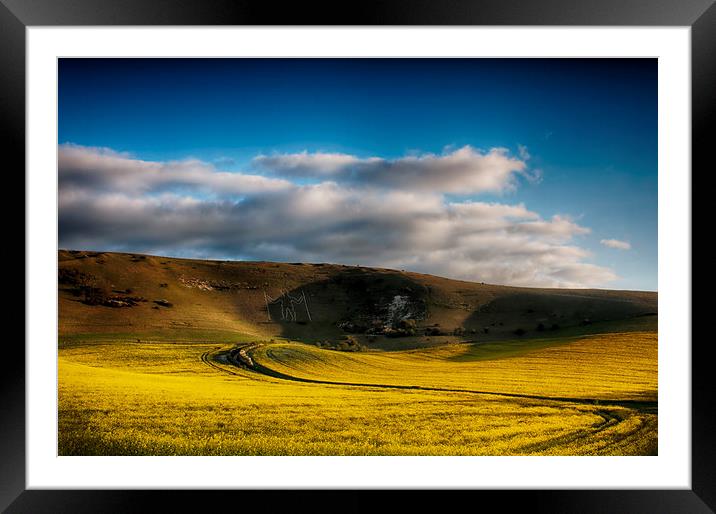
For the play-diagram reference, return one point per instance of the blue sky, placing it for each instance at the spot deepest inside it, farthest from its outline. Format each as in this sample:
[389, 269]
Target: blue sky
[585, 129]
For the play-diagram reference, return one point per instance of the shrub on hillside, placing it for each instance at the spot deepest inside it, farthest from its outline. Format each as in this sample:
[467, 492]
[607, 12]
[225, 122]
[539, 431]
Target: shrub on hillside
[70, 276]
[404, 328]
[95, 290]
[347, 344]
[434, 331]
[520, 332]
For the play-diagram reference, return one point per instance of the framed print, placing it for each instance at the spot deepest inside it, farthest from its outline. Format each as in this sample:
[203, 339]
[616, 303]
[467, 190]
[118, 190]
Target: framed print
[429, 248]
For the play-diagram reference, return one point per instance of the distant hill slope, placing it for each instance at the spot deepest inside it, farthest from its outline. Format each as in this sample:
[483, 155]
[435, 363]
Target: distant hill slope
[103, 292]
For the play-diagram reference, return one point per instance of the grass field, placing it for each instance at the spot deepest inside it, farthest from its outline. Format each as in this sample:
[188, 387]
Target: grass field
[148, 362]
[574, 395]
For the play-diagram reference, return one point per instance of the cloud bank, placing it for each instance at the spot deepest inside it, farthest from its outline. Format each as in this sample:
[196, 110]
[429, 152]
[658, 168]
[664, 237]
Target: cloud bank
[404, 213]
[465, 171]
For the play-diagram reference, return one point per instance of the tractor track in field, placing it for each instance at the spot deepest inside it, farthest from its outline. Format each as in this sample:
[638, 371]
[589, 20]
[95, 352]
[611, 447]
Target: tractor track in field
[206, 359]
[240, 356]
[609, 421]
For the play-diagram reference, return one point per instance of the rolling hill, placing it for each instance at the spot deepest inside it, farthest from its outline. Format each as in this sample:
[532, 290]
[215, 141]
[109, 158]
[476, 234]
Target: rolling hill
[152, 296]
[164, 356]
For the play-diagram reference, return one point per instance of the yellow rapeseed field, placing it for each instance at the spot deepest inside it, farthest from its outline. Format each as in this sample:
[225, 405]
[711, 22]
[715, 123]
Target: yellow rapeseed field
[589, 395]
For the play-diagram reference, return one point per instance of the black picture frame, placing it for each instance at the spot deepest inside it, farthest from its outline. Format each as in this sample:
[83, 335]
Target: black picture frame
[17, 15]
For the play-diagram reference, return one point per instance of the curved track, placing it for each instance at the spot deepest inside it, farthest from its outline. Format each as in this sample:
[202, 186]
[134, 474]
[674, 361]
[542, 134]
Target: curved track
[241, 356]
[621, 423]
[207, 359]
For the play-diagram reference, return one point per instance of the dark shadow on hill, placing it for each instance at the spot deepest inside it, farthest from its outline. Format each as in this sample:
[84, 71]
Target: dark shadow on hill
[369, 301]
[351, 300]
[554, 312]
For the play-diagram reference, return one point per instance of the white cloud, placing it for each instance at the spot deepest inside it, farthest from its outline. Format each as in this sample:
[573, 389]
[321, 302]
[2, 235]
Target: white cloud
[111, 201]
[464, 171]
[615, 243]
[303, 164]
[101, 169]
[560, 228]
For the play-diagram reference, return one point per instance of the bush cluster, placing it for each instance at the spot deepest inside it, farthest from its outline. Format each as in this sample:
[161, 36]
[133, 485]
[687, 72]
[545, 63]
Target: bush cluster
[434, 331]
[404, 328]
[347, 344]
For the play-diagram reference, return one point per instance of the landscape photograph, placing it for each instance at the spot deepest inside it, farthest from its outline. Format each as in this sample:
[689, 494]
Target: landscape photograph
[357, 257]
